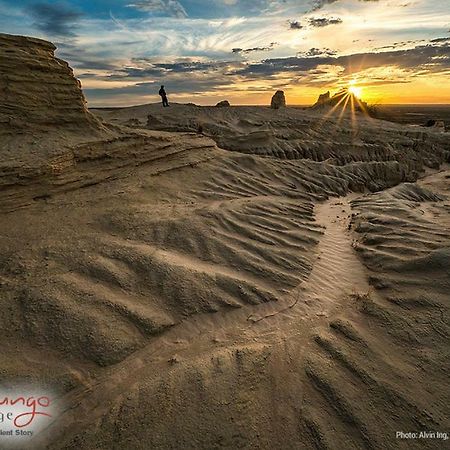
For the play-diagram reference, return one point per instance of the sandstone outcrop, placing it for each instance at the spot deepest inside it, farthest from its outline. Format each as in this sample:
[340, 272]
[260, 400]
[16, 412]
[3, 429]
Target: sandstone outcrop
[223, 104]
[49, 141]
[323, 98]
[437, 125]
[38, 89]
[343, 98]
[278, 100]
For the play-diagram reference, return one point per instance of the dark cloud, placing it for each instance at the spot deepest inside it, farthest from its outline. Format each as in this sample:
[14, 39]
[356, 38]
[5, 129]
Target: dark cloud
[443, 39]
[317, 52]
[324, 21]
[431, 58]
[315, 22]
[396, 45]
[81, 58]
[423, 59]
[255, 49]
[313, 67]
[175, 85]
[295, 25]
[146, 68]
[56, 19]
[167, 7]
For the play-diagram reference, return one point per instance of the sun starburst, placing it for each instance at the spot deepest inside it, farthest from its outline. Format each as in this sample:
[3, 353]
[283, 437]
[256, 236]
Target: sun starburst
[354, 89]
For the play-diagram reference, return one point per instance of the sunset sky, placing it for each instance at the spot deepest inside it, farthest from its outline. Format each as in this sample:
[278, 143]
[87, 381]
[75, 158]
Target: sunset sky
[397, 51]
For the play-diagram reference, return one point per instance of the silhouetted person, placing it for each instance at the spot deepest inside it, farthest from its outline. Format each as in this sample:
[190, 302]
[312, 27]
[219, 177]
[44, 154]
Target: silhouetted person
[162, 93]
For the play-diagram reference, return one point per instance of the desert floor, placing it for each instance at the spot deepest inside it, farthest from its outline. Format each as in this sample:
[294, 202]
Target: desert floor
[229, 278]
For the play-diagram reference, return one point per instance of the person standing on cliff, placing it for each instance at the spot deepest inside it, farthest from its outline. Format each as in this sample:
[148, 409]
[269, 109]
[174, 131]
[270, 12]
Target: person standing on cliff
[162, 93]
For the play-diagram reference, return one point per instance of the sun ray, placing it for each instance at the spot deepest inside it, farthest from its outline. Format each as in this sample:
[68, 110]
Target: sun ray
[335, 106]
[353, 116]
[363, 108]
[330, 112]
[344, 108]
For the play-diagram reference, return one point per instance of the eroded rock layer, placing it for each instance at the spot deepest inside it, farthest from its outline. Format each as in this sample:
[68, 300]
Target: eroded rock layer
[294, 133]
[37, 88]
[50, 142]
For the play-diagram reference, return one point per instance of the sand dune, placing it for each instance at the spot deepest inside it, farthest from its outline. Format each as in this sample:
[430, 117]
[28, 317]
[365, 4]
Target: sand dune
[281, 281]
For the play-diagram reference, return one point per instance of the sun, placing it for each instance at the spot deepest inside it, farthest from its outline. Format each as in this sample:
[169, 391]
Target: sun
[355, 90]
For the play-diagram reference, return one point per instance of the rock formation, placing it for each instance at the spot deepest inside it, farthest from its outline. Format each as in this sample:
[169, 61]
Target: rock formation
[50, 142]
[437, 125]
[340, 98]
[278, 100]
[38, 89]
[223, 104]
[323, 98]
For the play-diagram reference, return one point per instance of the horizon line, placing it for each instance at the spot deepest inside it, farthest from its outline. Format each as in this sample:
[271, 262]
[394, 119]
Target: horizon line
[263, 105]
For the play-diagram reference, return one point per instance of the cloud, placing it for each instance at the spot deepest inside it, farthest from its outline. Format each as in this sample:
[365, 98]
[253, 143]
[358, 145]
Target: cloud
[171, 8]
[295, 25]
[308, 65]
[428, 58]
[315, 22]
[400, 44]
[146, 68]
[443, 39]
[317, 52]
[84, 58]
[316, 67]
[324, 21]
[222, 45]
[319, 4]
[55, 19]
[255, 49]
